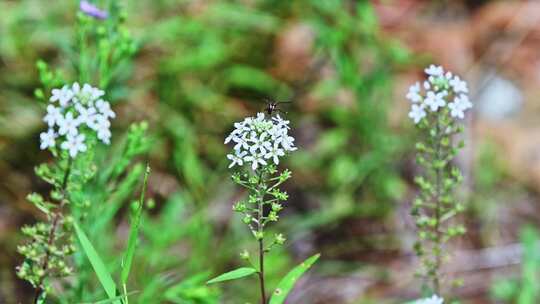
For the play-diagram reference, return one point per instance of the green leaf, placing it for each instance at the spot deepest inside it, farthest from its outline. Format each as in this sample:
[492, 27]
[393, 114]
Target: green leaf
[233, 275]
[134, 231]
[103, 275]
[287, 283]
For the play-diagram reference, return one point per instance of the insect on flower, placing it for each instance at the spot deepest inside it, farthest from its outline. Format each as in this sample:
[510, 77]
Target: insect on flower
[273, 106]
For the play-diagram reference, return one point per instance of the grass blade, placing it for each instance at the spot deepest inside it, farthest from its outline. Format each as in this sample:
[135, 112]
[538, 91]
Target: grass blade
[103, 275]
[287, 283]
[134, 231]
[233, 275]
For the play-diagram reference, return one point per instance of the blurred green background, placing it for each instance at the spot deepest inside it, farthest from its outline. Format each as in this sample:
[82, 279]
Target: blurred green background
[202, 65]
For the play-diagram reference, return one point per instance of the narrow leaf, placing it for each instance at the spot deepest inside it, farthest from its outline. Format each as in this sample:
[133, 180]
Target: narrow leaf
[287, 283]
[103, 275]
[233, 275]
[134, 231]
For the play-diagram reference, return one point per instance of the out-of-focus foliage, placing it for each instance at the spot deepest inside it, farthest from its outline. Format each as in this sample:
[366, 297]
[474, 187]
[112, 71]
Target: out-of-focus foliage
[523, 290]
[202, 65]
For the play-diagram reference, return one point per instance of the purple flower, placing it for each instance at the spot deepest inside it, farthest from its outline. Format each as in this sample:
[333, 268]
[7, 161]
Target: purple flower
[92, 10]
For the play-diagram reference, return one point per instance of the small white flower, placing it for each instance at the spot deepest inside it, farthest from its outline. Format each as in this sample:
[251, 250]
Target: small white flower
[276, 133]
[287, 142]
[104, 135]
[463, 101]
[74, 144]
[417, 113]
[86, 115]
[241, 127]
[435, 100]
[274, 152]
[90, 93]
[97, 93]
[281, 123]
[258, 142]
[102, 122]
[241, 142]
[260, 117]
[53, 115]
[456, 110]
[414, 93]
[255, 159]
[63, 96]
[458, 85]
[68, 125]
[75, 88]
[433, 70]
[93, 121]
[105, 108]
[87, 89]
[432, 300]
[47, 139]
[229, 138]
[236, 158]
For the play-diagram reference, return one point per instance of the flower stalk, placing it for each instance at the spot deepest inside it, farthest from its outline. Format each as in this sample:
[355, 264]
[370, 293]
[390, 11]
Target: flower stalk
[260, 142]
[78, 118]
[437, 112]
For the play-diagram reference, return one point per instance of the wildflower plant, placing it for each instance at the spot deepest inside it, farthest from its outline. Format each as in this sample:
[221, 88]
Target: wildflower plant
[77, 121]
[259, 144]
[438, 106]
[77, 118]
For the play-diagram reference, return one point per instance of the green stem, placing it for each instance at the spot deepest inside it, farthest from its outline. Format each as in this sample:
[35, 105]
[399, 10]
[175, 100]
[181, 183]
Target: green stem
[438, 193]
[261, 271]
[125, 294]
[260, 229]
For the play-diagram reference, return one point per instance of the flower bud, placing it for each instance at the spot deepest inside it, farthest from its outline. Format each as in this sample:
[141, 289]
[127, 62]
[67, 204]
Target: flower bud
[279, 239]
[244, 255]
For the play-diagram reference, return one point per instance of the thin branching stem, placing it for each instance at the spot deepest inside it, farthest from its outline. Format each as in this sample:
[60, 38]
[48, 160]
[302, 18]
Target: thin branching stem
[54, 227]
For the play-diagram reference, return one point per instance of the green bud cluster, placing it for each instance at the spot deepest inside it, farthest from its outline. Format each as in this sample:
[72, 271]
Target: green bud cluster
[51, 241]
[108, 42]
[436, 205]
[264, 202]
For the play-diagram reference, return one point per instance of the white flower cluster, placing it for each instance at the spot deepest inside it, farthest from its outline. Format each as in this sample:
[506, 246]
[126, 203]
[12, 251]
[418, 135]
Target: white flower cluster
[258, 139]
[435, 299]
[72, 112]
[439, 87]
